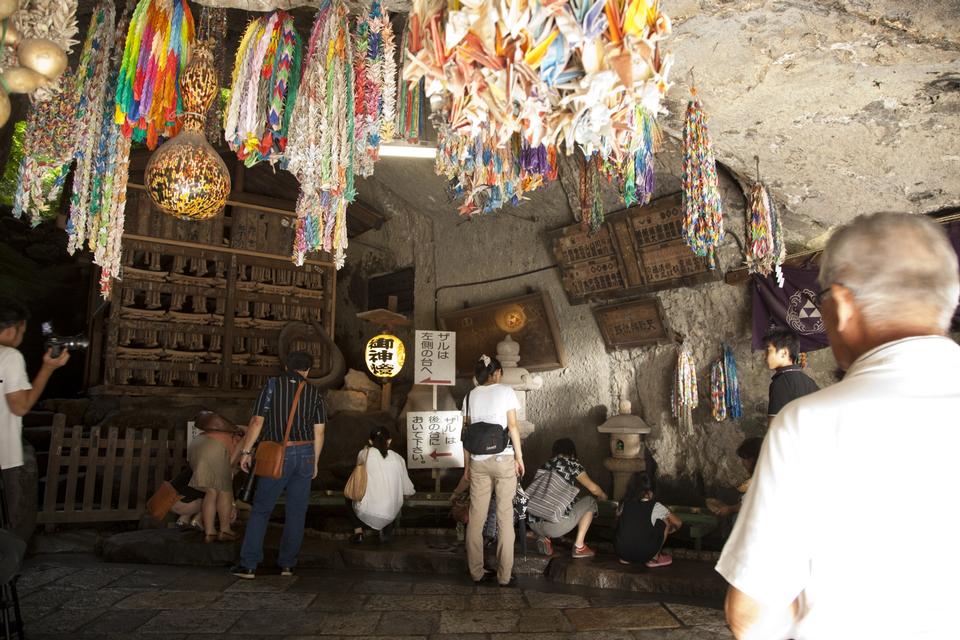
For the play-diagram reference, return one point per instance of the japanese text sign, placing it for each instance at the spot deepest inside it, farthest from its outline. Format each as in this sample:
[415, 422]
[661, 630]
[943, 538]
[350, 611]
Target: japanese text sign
[436, 359]
[433, 440]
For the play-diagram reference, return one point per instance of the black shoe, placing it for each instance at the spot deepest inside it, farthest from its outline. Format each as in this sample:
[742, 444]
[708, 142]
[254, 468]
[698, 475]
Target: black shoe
[487, 577]
[511, 584]
[356, 538]
[286, 572]
[385, 536]
[242, 572]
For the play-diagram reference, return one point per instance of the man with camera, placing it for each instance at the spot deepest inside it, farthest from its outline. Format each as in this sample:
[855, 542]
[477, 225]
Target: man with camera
[19, 395]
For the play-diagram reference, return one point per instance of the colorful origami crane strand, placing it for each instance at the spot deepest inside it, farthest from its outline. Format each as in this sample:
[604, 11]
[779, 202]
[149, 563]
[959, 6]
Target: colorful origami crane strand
[718, 391]
[703, 211]
[685, 397]
[108, 193]
[321, 148]
[371, 83]
[266, 77]
[92, 83]
[733, 404]
[157, 47]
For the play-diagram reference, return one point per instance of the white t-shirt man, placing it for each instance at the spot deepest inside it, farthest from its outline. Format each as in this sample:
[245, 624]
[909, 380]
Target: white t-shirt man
[849, 480]
[13, 378]
[490, 403]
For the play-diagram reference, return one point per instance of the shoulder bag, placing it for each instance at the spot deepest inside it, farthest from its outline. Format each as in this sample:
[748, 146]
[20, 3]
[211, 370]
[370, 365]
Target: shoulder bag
[269, 460]
[356, 486]
[483, 438]
[549, 495]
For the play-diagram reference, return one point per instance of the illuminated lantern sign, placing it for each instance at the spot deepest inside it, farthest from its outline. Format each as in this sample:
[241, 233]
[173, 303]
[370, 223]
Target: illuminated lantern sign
[385, 355]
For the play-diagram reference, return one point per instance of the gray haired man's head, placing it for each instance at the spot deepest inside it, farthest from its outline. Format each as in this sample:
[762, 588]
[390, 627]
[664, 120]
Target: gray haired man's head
[900, 269]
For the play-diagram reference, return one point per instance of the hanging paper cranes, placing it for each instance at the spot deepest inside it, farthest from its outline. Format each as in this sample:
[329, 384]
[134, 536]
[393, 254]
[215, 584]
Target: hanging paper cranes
[765, 250]
[266, 76]
[321, 149]
[375, 85]
[157, 47]
[540, 74]
[703, 210]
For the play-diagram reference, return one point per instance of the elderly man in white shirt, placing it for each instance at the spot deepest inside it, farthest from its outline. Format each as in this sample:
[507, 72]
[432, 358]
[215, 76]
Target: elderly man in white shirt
[850, 477]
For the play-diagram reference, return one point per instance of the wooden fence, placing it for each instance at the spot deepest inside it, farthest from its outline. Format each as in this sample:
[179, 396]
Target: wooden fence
[103, 478]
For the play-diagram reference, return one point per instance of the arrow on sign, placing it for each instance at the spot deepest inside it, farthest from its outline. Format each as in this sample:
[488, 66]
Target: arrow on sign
[432, 381]
[436, 455]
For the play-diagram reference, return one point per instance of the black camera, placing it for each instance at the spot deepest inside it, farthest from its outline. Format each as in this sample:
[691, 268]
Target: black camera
[57, 344]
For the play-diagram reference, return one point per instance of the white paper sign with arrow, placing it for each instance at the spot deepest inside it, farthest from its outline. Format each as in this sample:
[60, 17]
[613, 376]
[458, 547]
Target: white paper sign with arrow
[433, 440]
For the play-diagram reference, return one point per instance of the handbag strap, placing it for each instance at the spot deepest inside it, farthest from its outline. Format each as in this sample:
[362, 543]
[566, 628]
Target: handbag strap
[293, 412]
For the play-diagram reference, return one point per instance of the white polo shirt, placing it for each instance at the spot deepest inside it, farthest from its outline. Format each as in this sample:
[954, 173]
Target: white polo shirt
[850, 482]
[13, 377]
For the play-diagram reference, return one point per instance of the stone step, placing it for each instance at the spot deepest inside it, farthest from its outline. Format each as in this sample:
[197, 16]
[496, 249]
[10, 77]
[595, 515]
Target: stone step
[416, 554]
[682, 578]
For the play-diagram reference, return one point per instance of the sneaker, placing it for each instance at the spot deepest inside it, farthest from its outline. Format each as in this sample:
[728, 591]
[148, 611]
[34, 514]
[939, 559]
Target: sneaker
[660, 560]
[242, 572]
[544, 546]
[286, 571]
[583, 552]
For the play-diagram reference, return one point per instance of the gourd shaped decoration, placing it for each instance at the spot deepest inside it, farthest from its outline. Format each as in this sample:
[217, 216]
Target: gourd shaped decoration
[186, 177]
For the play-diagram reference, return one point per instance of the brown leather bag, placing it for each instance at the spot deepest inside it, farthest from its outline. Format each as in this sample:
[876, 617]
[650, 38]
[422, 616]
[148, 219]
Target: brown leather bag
[356, 486]
[269, 460]
[160, 503]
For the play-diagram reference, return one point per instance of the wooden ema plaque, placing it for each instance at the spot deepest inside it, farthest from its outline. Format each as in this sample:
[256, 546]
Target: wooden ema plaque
[637, 250]
[631, 324]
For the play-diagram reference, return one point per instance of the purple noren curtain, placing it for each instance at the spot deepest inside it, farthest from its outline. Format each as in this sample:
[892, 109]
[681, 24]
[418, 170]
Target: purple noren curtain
[794, 307]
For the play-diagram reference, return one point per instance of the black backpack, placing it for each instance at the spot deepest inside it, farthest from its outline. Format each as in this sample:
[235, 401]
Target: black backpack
[483, 438]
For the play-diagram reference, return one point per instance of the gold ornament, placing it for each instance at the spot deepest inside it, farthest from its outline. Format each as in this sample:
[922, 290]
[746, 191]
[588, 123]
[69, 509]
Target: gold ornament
[185, 176]
[11, 37]
[4, 108]
[21, 80]
[43, 56]
[8, 8]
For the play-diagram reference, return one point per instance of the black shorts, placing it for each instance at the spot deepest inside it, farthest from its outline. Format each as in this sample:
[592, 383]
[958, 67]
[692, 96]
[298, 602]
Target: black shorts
[640, 548]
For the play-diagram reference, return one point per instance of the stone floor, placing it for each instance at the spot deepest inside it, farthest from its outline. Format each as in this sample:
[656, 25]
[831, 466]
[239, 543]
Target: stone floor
[77, 596]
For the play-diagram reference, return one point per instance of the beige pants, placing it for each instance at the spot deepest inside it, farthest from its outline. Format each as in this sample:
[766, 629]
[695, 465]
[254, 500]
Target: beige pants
[499, 473]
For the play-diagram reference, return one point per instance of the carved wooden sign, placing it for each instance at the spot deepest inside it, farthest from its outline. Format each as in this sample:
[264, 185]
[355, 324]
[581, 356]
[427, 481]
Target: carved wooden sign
[529, 319]
[637, 250]
[632, 324]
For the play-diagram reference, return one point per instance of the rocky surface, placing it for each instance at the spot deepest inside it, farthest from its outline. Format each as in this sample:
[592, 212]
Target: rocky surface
[851, 106]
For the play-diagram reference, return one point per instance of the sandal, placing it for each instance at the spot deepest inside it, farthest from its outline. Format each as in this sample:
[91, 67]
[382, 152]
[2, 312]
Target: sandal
[209, 537]
[226, 536]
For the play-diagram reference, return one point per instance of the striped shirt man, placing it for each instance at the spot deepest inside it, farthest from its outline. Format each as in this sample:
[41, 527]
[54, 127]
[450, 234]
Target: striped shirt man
[274, 403]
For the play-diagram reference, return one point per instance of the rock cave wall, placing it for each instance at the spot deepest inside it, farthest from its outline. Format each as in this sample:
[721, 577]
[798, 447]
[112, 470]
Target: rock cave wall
[447, 250]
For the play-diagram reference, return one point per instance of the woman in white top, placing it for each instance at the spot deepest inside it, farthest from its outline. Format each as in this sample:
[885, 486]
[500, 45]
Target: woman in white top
[494, 403]
[387, 484]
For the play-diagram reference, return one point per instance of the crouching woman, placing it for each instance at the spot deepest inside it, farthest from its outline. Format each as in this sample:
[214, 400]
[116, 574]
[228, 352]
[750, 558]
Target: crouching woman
[387, 484]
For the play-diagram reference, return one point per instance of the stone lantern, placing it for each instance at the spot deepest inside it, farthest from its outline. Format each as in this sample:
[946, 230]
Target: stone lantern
[508, 353]
[626, 447]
